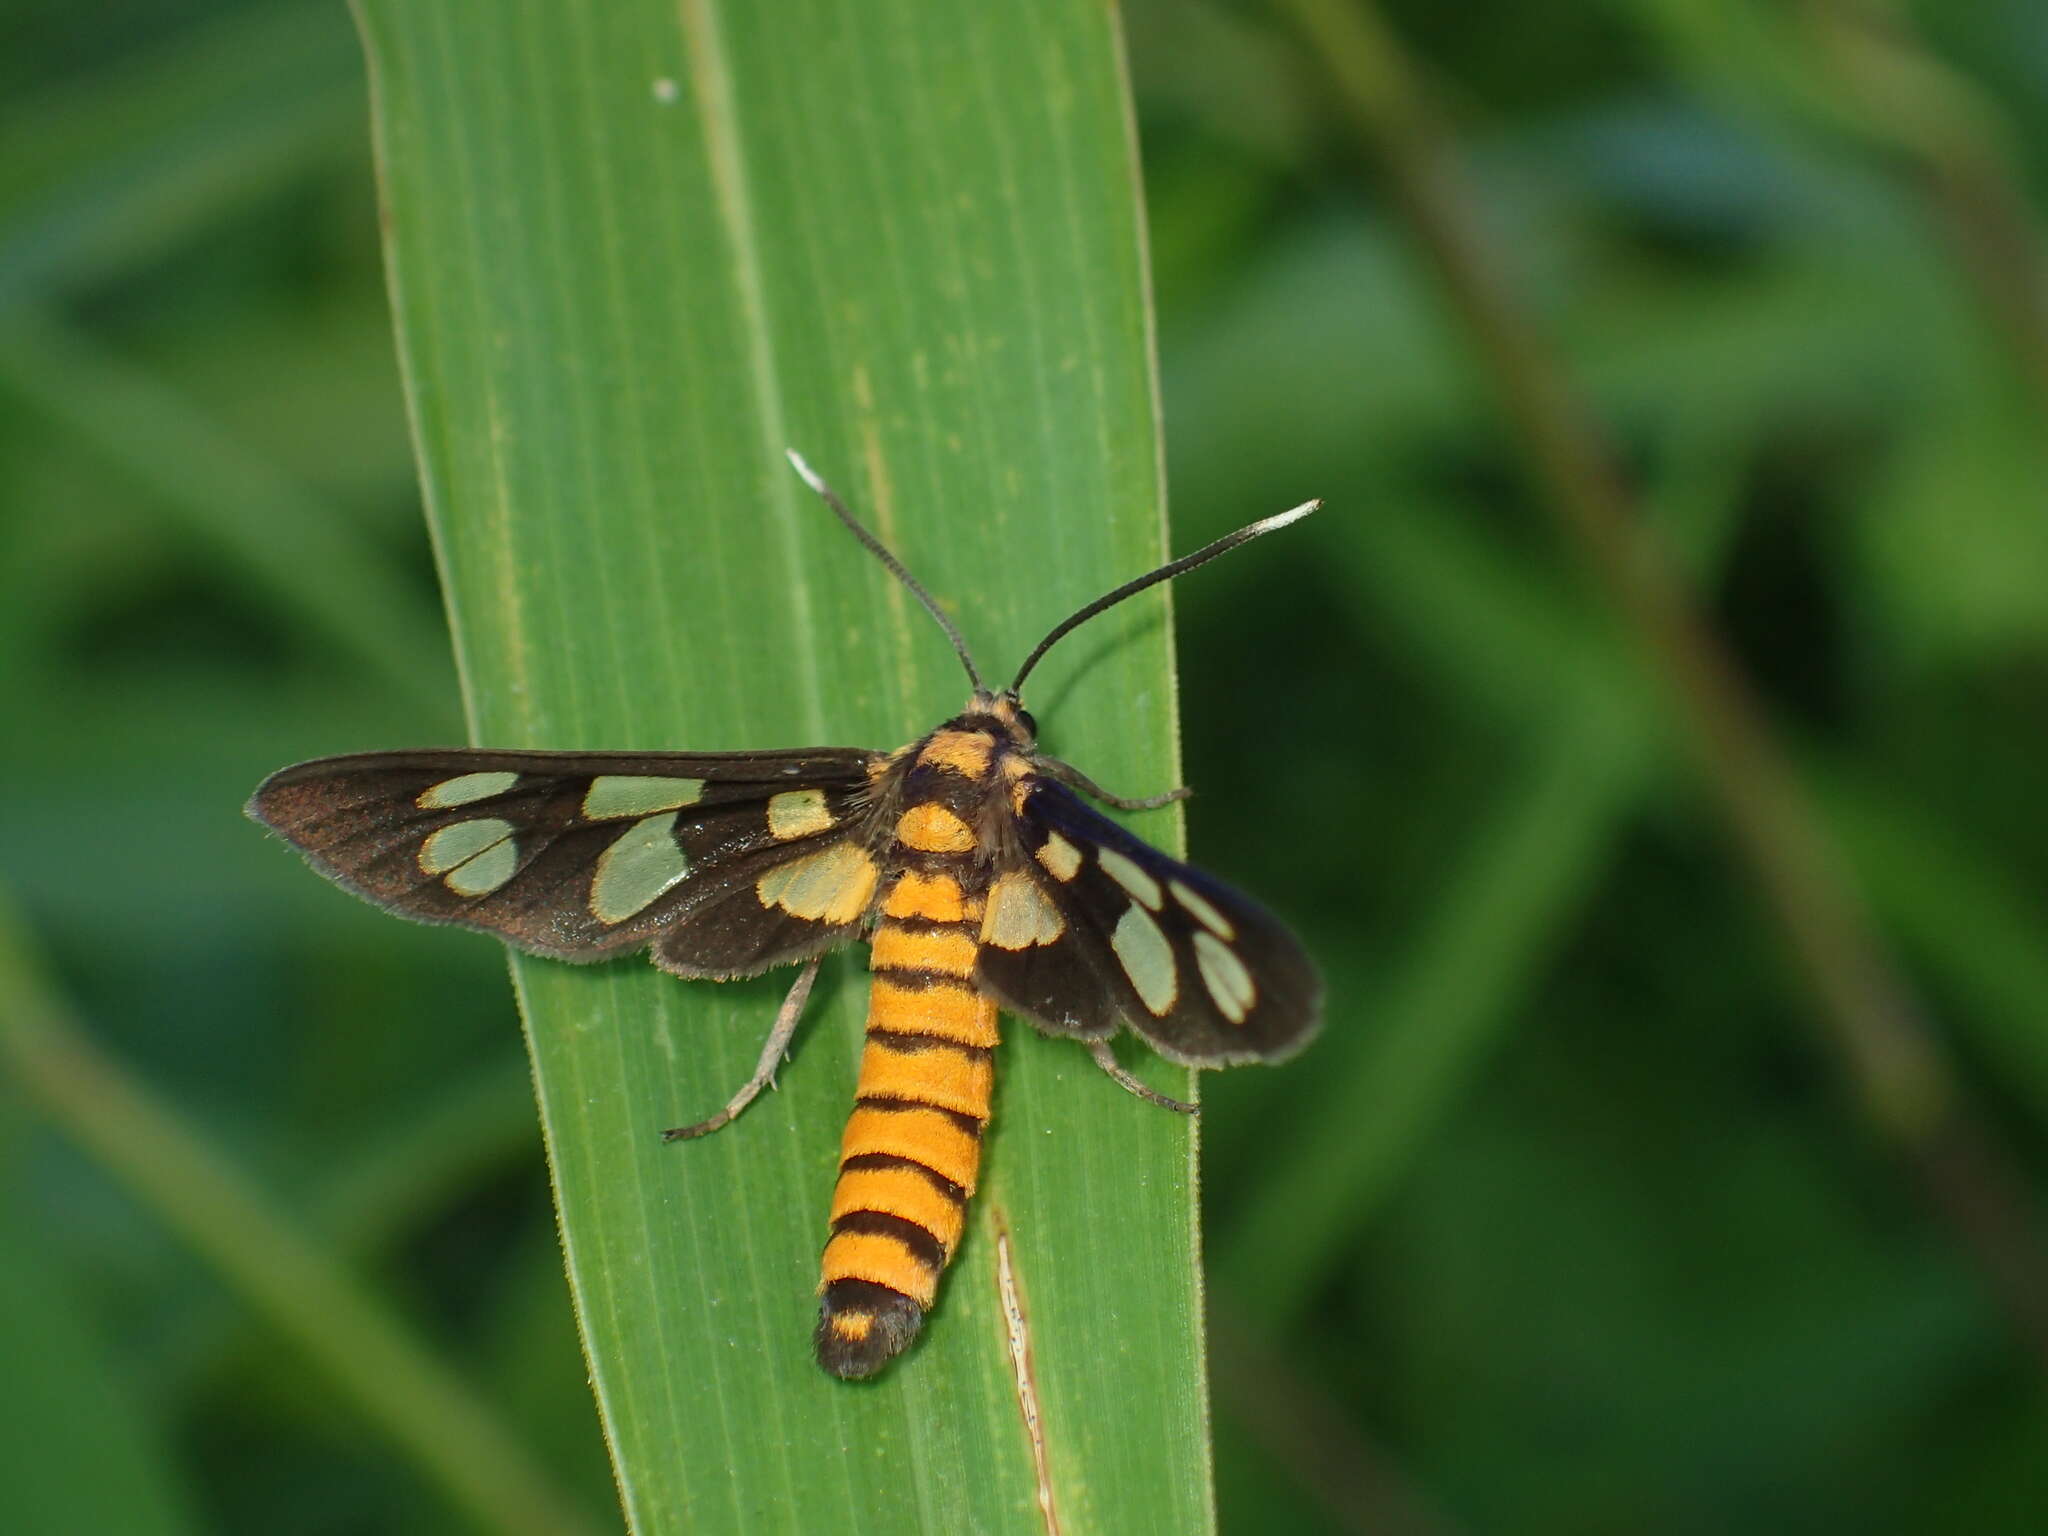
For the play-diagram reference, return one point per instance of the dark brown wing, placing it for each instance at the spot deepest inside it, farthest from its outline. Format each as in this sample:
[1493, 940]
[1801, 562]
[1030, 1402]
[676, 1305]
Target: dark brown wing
[733, 862]
[1111, 931]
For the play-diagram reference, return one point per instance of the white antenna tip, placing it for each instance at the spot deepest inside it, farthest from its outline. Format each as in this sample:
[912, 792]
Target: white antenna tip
[802, 467]
[1291, 515]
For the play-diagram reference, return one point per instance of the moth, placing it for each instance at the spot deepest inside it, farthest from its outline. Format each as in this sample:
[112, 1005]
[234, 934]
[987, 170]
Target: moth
[969, 861]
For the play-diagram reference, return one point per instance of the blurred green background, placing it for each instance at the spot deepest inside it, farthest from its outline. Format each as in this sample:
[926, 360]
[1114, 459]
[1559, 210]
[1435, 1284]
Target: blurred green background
[1574, 1221]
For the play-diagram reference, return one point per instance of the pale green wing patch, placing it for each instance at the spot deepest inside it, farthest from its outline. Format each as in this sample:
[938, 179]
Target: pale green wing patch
[638, 867]
[1142, 950]
[617, 795]
[465, 790]
[473, 858]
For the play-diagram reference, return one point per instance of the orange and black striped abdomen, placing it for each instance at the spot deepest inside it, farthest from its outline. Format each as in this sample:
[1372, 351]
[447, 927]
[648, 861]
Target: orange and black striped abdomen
[913, 1145]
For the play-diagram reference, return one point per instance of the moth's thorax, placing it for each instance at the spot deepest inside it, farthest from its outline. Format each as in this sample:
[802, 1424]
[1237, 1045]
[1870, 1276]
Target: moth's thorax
[961, 769]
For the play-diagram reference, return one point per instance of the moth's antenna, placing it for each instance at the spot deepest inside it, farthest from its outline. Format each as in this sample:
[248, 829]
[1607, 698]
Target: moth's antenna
[1166, 572]
[876, 548]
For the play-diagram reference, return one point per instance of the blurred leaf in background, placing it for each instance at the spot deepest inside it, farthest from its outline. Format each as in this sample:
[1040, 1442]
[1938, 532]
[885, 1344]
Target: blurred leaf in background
[1570, 1223]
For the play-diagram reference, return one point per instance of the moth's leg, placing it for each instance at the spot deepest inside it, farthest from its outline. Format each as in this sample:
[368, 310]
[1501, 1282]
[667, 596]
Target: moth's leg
[1099, 1049]
[1075, 779]
[771, 1058]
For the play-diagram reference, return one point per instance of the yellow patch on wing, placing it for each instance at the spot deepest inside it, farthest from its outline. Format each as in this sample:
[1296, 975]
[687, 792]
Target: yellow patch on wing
[797, 813]
[932, 828]
[833, 885]
[1020, 914]
[965, 752]
[1062, 860]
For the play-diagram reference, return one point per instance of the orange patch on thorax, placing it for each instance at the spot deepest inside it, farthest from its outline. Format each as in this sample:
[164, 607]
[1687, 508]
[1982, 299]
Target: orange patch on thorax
[933, 828]
[965, 752]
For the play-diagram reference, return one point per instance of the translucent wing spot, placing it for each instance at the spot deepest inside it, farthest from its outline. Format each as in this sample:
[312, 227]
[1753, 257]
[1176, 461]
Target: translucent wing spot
[455, 845]
[833, 885]
[1130, 877]
[1020, 914]
[1229, 983]
[1142, 950]
[797, 813]
[642, 862]
[931, 828]
[612, 796]
[464, 790]
[1204, 914]
[1062, 860]
[486, 872]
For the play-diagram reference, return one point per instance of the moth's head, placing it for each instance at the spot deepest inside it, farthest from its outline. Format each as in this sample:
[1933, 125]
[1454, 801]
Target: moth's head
[1004, 713]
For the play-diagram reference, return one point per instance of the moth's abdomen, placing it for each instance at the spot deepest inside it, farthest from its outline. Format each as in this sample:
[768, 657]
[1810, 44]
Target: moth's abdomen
[913, 1145]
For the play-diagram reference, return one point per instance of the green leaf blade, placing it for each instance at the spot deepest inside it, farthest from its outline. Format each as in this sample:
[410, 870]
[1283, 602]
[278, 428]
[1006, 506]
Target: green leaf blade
[636, 252]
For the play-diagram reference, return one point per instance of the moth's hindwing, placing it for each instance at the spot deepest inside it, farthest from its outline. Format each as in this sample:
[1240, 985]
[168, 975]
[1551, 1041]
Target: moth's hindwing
[1090, 928]
[728, 864]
